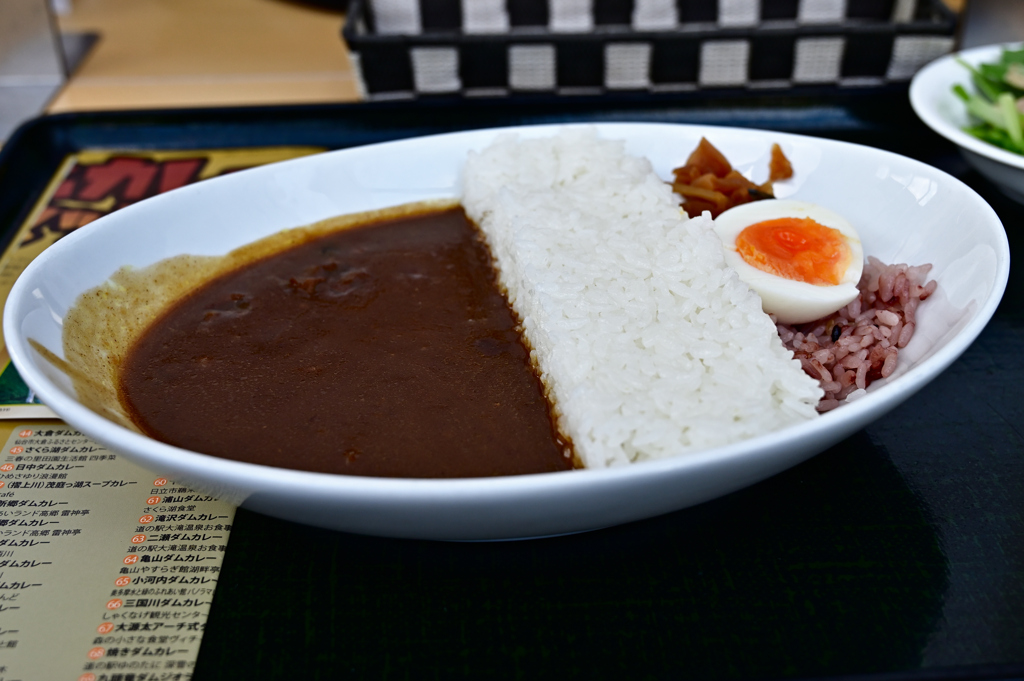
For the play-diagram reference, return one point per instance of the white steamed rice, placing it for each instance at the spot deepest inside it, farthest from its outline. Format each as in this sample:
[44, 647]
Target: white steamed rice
[648, 345]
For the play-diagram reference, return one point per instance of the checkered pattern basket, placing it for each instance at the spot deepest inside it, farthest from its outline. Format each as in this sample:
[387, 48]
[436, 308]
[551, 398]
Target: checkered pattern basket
[410, 48]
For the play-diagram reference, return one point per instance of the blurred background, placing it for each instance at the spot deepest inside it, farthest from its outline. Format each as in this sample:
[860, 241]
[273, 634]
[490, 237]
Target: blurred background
[80, 55]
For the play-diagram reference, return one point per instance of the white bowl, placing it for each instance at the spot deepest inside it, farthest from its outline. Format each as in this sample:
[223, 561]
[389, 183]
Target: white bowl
[931, 96]
[904, 210]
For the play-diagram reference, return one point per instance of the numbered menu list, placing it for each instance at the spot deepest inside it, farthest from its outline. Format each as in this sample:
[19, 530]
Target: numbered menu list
[107, 571]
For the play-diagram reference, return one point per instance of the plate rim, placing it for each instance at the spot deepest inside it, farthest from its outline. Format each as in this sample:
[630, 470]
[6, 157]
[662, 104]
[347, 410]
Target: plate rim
[853, 415]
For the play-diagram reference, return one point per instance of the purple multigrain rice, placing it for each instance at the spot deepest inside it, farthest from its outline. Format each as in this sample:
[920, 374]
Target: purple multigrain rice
[872, 329]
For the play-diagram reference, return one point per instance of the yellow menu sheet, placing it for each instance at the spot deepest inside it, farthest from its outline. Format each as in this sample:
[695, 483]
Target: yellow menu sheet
[107, 570]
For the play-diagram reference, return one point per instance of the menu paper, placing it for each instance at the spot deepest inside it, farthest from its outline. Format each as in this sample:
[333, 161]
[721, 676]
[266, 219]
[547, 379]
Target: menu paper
[107, 570]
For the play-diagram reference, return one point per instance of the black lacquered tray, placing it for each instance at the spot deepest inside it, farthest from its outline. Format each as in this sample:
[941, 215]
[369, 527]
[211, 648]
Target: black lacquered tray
[898, 554]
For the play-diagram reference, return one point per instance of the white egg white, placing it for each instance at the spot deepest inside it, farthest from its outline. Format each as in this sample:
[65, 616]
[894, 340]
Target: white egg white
[792, 302]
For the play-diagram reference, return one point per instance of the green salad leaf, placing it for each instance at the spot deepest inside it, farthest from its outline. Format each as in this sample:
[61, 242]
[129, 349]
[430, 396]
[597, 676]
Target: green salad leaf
[997, 105]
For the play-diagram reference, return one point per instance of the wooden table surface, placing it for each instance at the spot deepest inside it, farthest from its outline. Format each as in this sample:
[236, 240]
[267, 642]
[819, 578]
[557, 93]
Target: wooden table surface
[185, 53]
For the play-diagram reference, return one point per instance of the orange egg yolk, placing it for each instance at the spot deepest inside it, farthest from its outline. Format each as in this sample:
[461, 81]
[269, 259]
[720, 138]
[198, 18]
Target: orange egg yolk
[796, 248]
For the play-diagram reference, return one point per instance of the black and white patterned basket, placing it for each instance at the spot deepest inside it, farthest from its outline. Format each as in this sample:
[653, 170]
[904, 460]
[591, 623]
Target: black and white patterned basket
[410, 48]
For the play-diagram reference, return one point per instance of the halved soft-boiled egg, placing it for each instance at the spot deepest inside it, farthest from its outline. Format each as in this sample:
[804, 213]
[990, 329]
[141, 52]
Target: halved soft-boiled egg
[802, 259]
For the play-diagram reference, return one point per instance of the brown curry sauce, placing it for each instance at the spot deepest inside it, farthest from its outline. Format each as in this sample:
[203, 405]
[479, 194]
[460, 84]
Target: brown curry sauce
[384, 349]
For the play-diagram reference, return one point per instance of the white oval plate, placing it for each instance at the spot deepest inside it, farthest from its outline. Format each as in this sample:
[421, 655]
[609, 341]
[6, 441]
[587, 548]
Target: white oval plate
[905, 211]
[932, 98]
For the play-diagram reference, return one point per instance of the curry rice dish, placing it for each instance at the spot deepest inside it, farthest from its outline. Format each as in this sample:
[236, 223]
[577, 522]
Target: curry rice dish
[376, 359]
